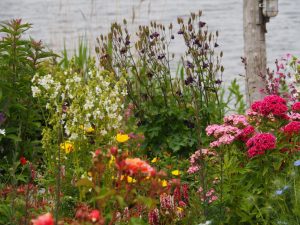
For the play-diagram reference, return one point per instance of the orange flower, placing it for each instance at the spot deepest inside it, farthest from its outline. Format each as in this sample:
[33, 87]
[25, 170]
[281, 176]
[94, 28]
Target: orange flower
[136, 165]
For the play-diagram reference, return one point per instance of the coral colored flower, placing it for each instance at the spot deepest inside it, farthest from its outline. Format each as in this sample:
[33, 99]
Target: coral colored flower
[296, 107]
[94, 216]
[136, 165]
[67, 146]
[23, 160]
[122, 138]
[176, 172]
[292, 128]
[45, 219]
[260, 143]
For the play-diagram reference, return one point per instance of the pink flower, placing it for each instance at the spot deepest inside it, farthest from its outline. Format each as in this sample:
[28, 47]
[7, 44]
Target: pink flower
[239, 121]
[153, 217]
[45, 219]
[292, 128]
[260, 143]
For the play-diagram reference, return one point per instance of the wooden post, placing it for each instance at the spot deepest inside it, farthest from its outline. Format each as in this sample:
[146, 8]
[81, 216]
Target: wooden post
[254, 48]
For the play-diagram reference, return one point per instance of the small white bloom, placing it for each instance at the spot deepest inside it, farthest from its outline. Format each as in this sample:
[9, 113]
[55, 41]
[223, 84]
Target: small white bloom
[2, 131]
[35, 91]
[103, 132]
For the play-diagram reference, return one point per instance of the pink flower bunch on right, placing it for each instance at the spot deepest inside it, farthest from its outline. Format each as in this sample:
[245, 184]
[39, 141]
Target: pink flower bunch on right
[292, 128]
[260, 143]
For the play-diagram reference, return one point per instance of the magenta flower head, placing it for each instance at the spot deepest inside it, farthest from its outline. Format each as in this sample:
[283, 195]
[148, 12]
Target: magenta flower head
[292, 128]
[296, 107]
[260, 143]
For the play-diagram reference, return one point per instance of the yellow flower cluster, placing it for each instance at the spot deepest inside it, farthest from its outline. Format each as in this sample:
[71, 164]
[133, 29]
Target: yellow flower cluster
[67, 146]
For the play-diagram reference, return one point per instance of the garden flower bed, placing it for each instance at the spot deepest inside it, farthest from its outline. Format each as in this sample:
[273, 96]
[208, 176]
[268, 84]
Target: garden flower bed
[120, 139]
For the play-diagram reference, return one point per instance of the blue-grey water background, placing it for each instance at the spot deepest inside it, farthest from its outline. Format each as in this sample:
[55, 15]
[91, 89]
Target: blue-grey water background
[59, 22]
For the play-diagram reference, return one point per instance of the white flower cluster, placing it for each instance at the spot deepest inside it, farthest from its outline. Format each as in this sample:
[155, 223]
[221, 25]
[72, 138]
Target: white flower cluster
[93, 105]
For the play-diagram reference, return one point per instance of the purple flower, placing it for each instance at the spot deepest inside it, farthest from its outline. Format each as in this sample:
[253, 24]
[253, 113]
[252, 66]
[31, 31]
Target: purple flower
[297, 163]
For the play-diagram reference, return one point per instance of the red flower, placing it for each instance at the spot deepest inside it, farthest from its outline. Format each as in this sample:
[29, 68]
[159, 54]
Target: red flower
[296, 107]
[247, 132]
[292, 128]
[273, 104]
[260, 143]
[256, 106]
[23, 160]
[45, 219]
[94, 215]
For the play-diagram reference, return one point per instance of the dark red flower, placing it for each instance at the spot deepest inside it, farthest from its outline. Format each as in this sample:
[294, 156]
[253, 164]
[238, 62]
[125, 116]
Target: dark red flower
[23, 160]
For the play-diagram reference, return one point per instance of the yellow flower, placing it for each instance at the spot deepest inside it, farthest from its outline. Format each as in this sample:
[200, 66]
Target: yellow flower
[179, 209]
[89, 174]
[67, 146]
[111, 161]
[176, 172]
[87, 129]
[154, 160]
[122, 138]
[130, 179]
[164, 183]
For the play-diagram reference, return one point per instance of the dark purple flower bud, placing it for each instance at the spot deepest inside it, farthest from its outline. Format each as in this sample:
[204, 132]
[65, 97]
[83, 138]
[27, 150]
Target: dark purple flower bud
[172, 37]
[189, 80]
[2, 118]
[180, 32]
[201, 24]
[216, 45]
[161, 56]
[205, 65]
[189, 64]
[155, 34]
[218, 81]
[206, 46]
[127, 42]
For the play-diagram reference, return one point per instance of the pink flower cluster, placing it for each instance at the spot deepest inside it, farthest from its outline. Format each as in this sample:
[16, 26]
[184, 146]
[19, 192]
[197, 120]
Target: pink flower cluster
[194, 159]
[292, 128]
[271, 104]
[225, 134]
[209, 196]
[235, 120]
[260, 143]
[153, 217]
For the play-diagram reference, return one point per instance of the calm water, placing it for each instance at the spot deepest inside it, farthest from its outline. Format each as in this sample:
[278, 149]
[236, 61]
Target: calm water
[63, 21]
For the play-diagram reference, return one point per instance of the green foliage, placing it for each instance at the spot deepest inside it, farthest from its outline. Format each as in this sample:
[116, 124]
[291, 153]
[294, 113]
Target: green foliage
[172, 111]
[20, 59]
